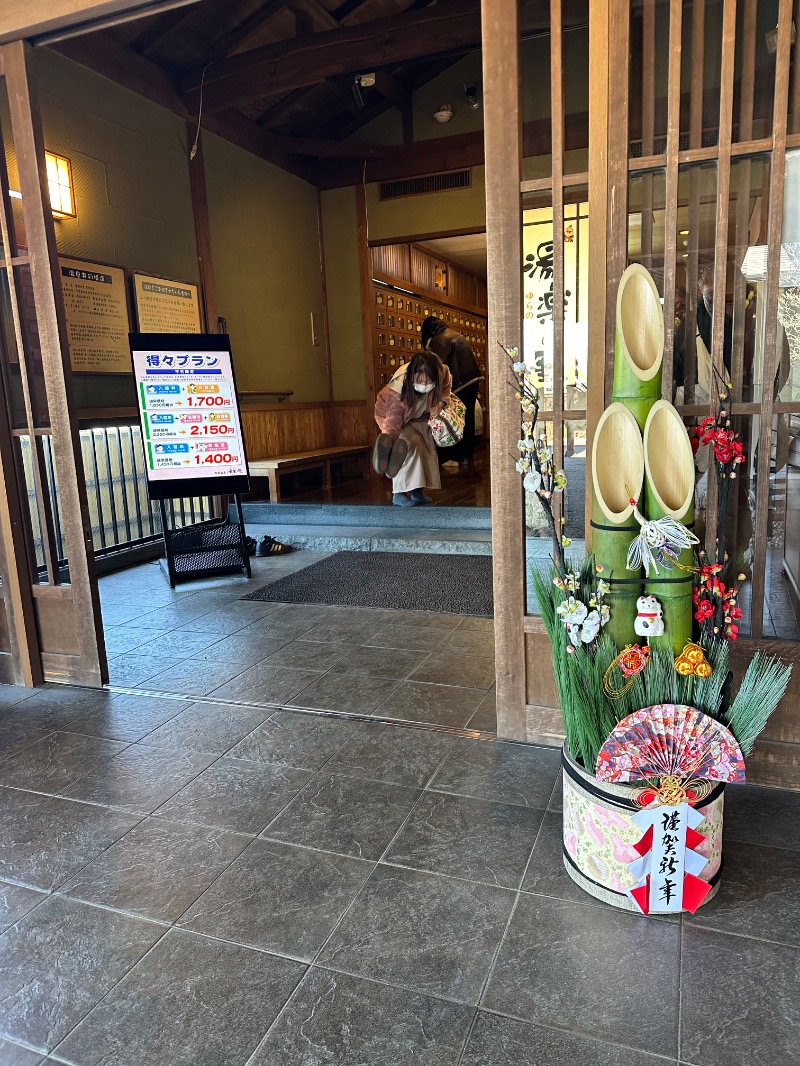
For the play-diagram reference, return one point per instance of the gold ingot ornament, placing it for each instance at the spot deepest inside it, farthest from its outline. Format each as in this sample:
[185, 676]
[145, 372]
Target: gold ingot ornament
[692, 662]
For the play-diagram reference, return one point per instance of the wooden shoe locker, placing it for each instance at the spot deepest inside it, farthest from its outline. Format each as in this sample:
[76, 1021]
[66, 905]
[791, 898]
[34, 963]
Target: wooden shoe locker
[397, 318]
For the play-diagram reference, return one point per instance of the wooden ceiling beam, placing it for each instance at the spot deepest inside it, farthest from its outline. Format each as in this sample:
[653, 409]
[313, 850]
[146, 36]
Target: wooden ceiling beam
[321, 149]
[278, 112]
[317, 12]
[391, 89]
[158, 28]
[236, 38]
[441, 154]
[276, 68]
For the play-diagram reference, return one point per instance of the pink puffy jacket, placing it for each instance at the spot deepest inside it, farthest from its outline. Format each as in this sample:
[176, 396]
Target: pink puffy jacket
[391, 413]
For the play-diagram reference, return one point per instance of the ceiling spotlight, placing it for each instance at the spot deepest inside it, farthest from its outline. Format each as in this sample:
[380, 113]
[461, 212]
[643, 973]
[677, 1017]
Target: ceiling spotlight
[444, 113]
[471, 93]
[366, 81]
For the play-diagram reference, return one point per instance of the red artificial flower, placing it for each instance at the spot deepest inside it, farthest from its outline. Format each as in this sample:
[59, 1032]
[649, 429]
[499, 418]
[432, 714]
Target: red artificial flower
[724, 453]
[704, 610]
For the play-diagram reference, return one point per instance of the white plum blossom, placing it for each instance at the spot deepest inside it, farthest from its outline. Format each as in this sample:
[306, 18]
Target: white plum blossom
[586, 632]
[532, 481]
[590, 627]
[572, 611]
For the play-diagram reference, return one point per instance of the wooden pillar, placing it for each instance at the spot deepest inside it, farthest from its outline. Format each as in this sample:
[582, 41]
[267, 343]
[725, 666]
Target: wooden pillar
[365, 281]
[503, 140]
[330, 416]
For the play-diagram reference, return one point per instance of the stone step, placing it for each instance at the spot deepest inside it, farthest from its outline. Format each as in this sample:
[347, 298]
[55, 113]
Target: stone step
[382, 516]
[332, 538]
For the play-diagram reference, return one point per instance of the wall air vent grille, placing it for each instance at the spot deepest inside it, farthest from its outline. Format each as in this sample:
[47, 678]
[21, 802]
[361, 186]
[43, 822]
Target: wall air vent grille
[456, 179]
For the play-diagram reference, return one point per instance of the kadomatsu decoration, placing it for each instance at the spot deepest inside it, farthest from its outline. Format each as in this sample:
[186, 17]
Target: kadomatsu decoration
[640, 635]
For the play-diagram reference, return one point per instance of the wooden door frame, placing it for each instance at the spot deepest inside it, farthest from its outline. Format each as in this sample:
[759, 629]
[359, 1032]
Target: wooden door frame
[67, 643]
[56, 19]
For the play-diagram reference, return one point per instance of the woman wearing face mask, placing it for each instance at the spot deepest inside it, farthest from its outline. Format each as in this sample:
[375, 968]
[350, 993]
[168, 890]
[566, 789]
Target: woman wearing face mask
[405, 451]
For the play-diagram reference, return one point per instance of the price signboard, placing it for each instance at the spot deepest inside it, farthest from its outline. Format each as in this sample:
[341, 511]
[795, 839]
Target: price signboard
[189, 412]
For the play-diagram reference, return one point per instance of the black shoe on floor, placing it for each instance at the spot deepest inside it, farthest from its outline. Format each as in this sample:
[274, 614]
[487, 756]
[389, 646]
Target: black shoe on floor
[270, 546]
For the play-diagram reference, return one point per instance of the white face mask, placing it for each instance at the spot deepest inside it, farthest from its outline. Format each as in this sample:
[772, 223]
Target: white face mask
[423, 388]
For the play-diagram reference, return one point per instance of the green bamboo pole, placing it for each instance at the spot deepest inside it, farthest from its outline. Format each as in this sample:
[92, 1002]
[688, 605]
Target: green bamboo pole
[669, 490]
[617, 475]
[639, 343]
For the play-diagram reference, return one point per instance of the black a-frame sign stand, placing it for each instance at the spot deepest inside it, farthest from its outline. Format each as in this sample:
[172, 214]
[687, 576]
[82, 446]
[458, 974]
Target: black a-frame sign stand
[206, 549]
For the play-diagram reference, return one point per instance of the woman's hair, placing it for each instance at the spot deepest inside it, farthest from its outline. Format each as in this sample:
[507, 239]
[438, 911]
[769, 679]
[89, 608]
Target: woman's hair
[429, 364]
[430, 327]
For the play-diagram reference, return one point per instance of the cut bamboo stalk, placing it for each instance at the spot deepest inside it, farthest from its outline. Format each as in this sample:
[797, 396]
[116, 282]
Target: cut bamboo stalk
[639, 343]
[617, 476]
[669, 490]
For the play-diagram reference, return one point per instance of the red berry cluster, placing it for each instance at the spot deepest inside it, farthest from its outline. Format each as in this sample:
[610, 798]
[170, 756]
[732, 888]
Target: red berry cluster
[715, 605]
[716, 430]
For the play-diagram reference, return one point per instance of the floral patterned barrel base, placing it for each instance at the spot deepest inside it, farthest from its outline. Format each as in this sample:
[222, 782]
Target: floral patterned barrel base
[599, 834]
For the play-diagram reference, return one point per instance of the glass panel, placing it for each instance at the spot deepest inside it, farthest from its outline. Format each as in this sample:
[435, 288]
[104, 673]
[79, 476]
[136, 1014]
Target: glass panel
[789, 295]
[538, 309]
[756, 21]
[576, 100]
[575, 460]
[646, 193]
[748, 235]
[536, 96]
[538, 542]
[694, 282]
[649, 76]
[791, 545]
[576, 301]
[701, 63]
[782, 546]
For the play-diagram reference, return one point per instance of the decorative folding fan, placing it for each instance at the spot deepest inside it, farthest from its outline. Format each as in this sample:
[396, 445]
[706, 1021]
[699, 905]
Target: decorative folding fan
[670, 740]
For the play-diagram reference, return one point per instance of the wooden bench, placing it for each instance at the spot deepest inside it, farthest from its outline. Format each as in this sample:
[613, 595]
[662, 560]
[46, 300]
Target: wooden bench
[323, 458]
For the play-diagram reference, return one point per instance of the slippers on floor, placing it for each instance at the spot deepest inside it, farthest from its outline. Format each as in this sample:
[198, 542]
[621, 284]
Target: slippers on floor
[397, 457]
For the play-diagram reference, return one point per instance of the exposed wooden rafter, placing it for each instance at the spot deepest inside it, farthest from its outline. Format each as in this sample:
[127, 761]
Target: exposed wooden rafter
[111, 59]
[318, 14]
[238, 37]
[106, 56]
[441, 154]
[158, 27]
[274, 69]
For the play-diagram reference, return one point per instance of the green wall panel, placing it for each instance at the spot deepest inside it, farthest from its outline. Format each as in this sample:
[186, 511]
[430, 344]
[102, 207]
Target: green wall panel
[265, 244]
[340, 238]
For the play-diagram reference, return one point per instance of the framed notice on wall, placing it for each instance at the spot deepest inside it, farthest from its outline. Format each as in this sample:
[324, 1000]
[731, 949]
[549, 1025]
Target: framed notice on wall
[96, 310]
[164, 306]
[189, 412]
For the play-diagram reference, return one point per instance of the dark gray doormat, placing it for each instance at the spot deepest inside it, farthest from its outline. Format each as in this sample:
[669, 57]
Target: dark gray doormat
[406, 581]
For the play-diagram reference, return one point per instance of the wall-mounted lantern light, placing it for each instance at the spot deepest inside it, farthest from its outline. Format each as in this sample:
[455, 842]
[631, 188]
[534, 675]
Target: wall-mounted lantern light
[59, 182]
